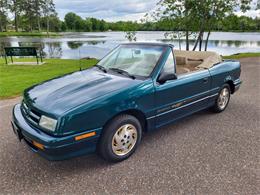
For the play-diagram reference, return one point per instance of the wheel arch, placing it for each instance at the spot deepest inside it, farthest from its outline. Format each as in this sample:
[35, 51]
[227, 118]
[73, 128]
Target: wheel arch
[133, 112]
[231, 85]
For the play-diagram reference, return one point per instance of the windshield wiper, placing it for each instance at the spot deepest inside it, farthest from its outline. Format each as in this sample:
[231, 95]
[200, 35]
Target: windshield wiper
[120, 71]
[101, 68]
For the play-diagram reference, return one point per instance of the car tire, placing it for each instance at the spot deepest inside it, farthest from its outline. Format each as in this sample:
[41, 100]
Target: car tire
[120, 138]
[222, 99]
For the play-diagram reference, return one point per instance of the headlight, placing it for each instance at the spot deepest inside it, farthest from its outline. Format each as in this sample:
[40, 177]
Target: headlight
[48, 123]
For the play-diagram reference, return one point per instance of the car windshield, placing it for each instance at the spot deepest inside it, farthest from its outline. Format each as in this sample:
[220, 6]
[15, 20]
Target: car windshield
[138, 60]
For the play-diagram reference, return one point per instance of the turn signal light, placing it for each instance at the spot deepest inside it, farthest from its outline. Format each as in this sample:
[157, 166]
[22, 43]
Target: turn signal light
[91, 134]
[38, 145]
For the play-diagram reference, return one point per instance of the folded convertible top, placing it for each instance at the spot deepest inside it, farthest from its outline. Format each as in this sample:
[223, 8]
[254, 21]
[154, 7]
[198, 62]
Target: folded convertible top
[207, 58]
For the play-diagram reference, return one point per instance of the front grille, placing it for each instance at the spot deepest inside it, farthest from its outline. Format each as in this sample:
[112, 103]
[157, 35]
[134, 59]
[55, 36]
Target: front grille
[30, 114]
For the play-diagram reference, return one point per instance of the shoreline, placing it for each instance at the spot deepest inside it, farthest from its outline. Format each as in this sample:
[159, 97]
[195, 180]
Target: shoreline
[29, 34]
[57, 34]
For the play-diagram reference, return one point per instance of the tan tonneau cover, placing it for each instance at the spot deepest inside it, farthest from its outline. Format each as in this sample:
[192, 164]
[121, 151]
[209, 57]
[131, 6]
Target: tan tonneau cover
[207, 58]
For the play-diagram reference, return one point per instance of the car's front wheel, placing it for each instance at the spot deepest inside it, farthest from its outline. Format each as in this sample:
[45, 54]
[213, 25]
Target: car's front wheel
[120, 138]
[223, 99]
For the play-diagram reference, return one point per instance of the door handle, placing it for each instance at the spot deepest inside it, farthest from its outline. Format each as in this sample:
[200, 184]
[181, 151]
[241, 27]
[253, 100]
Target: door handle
[205, 80]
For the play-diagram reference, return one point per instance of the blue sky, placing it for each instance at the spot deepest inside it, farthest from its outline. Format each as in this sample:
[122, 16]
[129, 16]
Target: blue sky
[114, 10]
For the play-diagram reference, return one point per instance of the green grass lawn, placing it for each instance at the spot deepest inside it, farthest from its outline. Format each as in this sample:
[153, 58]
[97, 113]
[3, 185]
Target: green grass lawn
[242, 55]
[31, 34]
[15, 78]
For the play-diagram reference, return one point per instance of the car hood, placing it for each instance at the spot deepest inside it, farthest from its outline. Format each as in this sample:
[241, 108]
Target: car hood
[61, 94]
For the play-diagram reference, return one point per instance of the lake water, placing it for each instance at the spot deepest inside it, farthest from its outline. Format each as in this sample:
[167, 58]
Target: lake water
[97, 44]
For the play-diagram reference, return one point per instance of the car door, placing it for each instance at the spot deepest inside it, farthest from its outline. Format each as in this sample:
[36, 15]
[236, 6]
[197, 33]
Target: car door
[180, 97]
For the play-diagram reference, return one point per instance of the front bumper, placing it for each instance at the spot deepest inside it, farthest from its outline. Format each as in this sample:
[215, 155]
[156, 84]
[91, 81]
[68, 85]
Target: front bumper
[55, 148]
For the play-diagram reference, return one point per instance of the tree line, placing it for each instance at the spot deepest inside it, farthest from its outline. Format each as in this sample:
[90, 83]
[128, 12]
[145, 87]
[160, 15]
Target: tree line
[232, 22]
[228, 23]
[177, 15]
[76, 23]
[28, 15]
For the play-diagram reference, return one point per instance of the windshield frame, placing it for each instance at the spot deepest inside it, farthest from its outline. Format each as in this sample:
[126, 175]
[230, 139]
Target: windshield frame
[164, 49]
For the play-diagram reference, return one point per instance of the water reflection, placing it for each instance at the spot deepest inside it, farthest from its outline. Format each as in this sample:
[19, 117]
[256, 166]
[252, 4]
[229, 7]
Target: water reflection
[74, 44]
[77, 44]
[234, 43]
[54, 50]
[2, 46]
[81, 45]
[95, 42]
[217, 43]
[31, 44]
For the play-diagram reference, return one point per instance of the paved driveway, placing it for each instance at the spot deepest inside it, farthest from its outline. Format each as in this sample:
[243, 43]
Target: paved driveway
[202, 154]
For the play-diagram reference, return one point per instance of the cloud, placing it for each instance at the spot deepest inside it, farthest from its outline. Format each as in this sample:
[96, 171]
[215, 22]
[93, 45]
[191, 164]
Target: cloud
[110, 10]
[115, 10]
[253, 12]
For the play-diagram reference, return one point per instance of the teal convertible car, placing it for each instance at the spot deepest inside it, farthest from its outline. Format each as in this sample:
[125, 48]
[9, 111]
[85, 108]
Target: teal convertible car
[136, 88]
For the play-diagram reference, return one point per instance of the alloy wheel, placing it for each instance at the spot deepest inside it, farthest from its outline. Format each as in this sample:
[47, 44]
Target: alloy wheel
[124, 139]
[223, 98]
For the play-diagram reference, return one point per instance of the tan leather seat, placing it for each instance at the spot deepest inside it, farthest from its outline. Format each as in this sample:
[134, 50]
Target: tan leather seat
[180, 60]
[188, 61]
[182, 70]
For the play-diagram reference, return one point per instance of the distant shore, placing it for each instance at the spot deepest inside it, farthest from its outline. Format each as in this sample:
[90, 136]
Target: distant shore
[51, 34]
[242, 55]
[29, 34]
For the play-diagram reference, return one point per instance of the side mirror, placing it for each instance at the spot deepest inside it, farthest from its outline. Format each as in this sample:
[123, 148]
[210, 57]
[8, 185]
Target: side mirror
[164, 76]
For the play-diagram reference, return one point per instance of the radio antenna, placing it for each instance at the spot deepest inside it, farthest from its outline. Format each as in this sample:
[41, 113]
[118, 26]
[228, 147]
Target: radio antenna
[80, 60]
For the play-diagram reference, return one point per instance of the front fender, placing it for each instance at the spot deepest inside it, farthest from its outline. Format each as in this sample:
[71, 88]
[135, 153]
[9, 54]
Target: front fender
[96, 113]
[228, 78]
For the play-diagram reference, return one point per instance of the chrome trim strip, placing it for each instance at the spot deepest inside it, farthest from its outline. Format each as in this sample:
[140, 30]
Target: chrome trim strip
[32, 121]
[25, 106]
[194, 102]
[237, 82]
[151, 117]
[34, 115]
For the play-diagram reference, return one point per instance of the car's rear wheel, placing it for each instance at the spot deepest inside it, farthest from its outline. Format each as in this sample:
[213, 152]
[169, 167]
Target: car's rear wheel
[222, 100]
[120, 138]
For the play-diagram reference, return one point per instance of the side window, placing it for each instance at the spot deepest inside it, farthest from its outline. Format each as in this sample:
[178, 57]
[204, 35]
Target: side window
[169, 64]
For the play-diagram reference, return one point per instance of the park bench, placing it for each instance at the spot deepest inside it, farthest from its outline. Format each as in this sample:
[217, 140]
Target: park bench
[22, 51]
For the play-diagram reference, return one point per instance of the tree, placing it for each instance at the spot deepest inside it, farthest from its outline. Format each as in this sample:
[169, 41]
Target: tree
[103, 26]
[75, 22]
[211, 11]
[48, 9]
[3, 15]
[79, 24]
[29, 13]
[182, 12]
[63, 26]
[198, 15]
[95, 24]
[15, 7]
[39, 6]
[70, 20]
[88, 25]
[52, 23]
